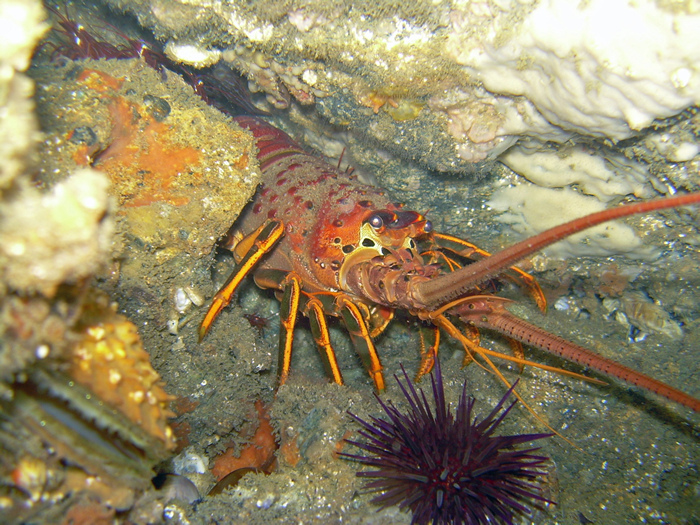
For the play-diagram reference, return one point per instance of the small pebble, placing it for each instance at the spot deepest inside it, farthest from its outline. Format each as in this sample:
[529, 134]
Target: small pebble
[158, 108]
[179, 487]
[83, 135]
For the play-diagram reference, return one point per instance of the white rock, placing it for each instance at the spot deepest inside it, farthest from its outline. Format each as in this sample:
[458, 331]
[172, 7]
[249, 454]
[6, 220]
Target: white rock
[192, 54]
[604, 177]
[530, 209]
[605, 68]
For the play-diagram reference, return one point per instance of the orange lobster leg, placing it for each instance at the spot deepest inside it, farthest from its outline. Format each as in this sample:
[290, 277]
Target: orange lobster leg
[378, 319]
[319, 329]
[293, 299]
[360, 323]
[289, 306]
[260, 242]
[359, 333]
[314, 306]
[429, 344]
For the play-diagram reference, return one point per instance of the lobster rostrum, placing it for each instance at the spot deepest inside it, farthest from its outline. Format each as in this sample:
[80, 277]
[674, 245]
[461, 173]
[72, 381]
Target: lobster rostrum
[331, 246]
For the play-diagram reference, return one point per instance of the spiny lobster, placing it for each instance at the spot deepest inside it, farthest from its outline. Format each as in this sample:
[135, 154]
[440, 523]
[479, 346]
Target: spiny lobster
[329, 245]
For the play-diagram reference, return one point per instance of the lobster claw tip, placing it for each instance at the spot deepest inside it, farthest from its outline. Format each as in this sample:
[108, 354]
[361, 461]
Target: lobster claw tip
[212, 313]
[203, 329]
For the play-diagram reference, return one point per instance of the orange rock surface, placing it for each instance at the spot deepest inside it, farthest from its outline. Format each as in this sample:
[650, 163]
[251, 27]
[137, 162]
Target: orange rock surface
[141, 157]
[259, 453]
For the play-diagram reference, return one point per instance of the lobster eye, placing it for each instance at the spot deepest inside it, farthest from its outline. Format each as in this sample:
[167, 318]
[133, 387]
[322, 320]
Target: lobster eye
[376, 222]
[428, 227]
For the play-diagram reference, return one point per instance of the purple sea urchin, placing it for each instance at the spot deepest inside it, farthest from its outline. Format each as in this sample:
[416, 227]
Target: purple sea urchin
[445, 468]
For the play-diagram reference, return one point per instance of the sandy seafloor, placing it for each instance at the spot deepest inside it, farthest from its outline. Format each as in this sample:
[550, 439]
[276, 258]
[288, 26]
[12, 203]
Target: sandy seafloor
[635, 457]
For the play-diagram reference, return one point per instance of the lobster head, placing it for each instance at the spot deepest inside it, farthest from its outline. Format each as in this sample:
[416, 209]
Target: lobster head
[386, 234]
[349, 230]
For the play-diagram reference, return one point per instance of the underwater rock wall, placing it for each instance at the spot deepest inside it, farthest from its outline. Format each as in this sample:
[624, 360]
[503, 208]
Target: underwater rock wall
[453, 85]
[497, 70]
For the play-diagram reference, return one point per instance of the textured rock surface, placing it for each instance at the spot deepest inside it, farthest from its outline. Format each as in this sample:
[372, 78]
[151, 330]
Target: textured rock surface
[451, 86]
[491, 71]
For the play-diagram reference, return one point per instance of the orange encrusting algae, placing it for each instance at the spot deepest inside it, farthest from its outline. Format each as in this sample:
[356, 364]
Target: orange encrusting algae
[140, 156]
[100, 81]
[289, 450]
[258, 454]
[143, 153]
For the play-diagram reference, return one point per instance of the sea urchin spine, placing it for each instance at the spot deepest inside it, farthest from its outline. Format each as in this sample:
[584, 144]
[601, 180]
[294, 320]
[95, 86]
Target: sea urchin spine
[449, 468]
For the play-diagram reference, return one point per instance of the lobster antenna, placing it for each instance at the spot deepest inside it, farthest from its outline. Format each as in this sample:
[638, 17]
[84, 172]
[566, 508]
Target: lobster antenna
[448, 287]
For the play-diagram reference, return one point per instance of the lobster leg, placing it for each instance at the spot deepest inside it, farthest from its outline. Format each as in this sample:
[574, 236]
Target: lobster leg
[289, 307]
[359, 333]
[378, 319]
[361, 324]
[314, 305]
[319, 329]
[260, 242]
[429, 344]
[292, 299]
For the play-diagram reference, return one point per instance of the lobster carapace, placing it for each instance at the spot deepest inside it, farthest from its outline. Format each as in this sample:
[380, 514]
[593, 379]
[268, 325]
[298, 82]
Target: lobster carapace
[330, 245]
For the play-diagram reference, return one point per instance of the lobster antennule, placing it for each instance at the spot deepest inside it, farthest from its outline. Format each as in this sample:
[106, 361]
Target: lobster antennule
[441, 290]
